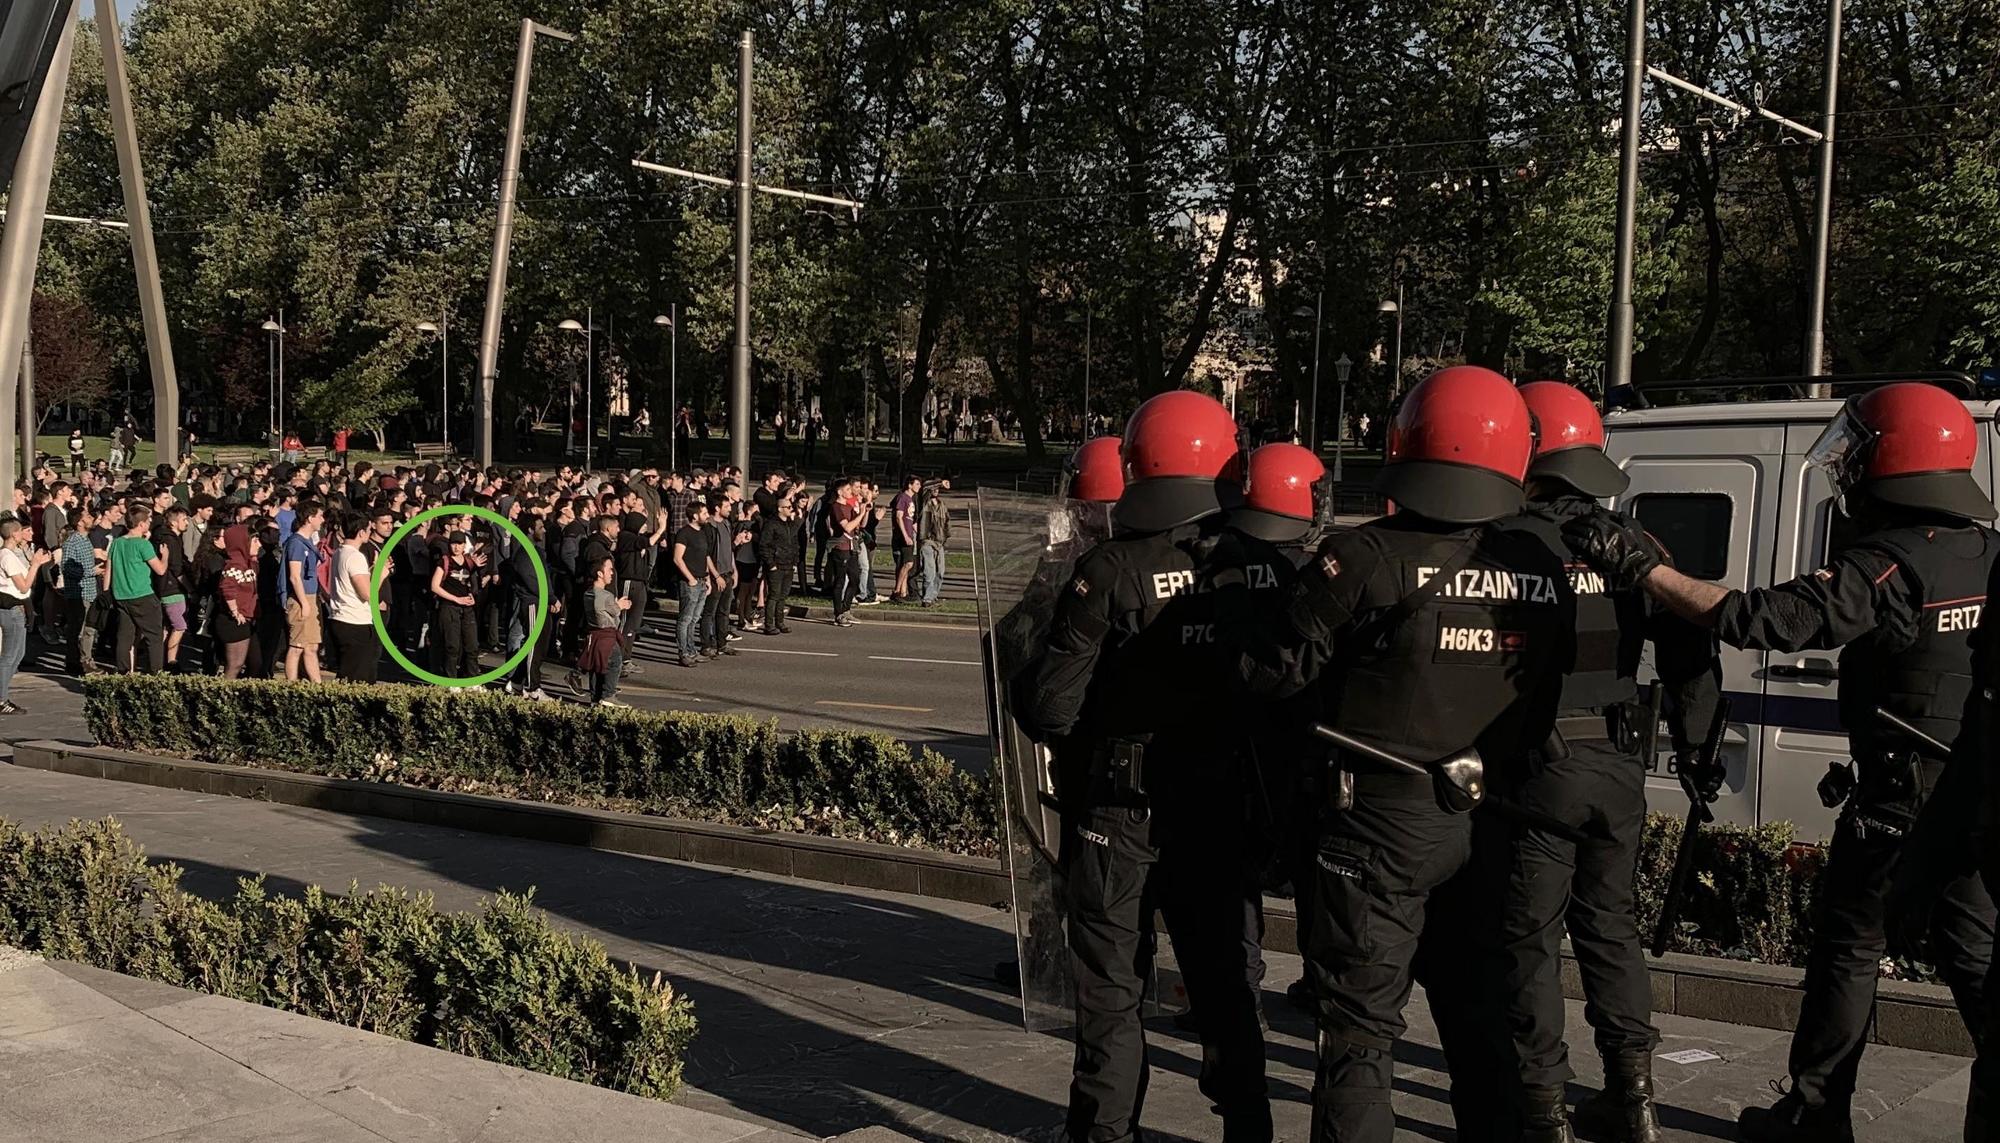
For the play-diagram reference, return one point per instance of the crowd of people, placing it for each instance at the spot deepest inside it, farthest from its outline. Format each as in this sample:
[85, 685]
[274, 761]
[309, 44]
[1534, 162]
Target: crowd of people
[283, 567]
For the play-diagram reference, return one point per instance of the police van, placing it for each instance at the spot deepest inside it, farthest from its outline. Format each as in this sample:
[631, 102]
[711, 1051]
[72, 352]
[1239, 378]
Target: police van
[1726, 488]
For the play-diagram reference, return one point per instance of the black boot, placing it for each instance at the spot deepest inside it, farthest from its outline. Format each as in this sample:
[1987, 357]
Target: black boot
[1544, 1116]
[1790, 1121]
[1623, 1111]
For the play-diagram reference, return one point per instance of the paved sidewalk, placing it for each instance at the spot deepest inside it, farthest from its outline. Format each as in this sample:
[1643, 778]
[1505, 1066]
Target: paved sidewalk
[88, 1056]
[825, 1010]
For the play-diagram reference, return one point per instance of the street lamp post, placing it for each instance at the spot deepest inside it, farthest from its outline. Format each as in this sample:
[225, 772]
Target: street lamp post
[1395, 306]
[444, 384]
[589, 331]
[278, 378]
[1318, 315]
[1341, 370]
[670, 320]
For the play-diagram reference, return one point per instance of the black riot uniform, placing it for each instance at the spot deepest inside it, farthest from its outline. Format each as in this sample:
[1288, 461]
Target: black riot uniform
[1592, 778]
[1902, 604]
[1132, 690]
[1423, 638]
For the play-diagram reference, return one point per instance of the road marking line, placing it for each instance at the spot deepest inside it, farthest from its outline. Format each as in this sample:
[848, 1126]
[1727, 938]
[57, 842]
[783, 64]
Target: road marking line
[940, 662]
[876, 706]
[780, 651]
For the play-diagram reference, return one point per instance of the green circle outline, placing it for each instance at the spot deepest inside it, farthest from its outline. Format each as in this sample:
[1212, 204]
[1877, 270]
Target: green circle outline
[382, 572]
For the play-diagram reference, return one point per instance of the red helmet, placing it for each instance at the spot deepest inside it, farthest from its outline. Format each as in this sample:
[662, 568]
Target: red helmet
[1908, 444]
[1285, 494]
[1096, 472]
[1569, 445]
[1181, 462]
[1459, 447]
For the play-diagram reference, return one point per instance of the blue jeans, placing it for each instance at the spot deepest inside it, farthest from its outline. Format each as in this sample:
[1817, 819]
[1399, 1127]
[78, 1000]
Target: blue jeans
[933, 564]
[692, 595]
[527, 676]
[13, 647]
[604, 687]
[865, 555]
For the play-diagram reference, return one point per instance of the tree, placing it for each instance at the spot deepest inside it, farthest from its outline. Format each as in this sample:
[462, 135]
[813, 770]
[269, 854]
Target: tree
[72, 363]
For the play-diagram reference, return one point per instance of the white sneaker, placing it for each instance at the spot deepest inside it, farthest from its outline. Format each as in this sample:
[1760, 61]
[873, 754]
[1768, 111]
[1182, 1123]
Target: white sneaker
[869, 602]
[538, 695]
[614, 704]
[734, 637]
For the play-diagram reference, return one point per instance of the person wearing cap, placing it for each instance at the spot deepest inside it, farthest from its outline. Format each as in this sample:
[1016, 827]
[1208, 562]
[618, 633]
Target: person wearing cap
[1591, 777]
[1433, 634]
[1128, 691]
[1901, 602]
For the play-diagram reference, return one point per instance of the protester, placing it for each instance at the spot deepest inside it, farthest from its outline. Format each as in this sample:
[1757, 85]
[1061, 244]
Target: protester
[351, 619]
[722, 533]
[844, 521]
[171, 585]
[81, 573]
[454, 583]
[903, 535]
[298, 591]
[134, 563]
[749, 568]
[603, 655]
[691, 560]
[780, 543]
[238, 598]
[934, 528]
[19, 565]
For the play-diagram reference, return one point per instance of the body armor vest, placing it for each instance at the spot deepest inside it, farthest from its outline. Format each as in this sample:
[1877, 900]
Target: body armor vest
[1454, 671]
[1610, 626]
[1920, 672]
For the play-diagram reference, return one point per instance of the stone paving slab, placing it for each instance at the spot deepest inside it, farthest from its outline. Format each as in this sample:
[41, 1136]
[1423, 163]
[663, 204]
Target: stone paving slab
[827, 1010]
[88, 1056]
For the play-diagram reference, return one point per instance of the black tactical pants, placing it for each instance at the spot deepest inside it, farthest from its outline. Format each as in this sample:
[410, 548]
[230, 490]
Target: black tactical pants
[1116, 872]
[1848, 944]
[1982, 1105]
[1555, 883]
[1408, 891]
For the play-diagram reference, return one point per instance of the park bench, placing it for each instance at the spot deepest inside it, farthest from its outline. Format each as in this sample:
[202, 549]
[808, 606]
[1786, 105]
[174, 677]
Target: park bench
[428, 452]
[240, 455]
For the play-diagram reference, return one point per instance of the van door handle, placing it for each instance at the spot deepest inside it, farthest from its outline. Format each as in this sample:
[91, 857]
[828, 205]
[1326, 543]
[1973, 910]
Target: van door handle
[1813, 670]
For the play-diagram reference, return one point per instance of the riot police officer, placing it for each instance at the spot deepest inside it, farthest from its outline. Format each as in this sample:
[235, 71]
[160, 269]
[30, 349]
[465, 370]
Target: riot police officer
[1425, 633]
[1287, 505]
[1901, 602]
[1130, 686]
[1592, 778]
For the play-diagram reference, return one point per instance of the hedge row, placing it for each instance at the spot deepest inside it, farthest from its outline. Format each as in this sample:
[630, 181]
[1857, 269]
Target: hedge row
[1748, 899]
[708, 767]
[500, 984]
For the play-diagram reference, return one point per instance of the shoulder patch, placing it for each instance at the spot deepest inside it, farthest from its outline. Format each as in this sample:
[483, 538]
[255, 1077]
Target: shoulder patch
[1824, 575]
[1080, 586]
[1329, 565]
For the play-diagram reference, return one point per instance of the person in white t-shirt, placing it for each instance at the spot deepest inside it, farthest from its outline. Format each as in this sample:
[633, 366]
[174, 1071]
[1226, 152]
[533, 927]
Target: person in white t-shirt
[18, 568]
[352, 625]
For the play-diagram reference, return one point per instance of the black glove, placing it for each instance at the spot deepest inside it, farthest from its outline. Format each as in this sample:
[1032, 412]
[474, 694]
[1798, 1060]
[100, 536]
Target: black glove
[1702, 781]
[1615, 546]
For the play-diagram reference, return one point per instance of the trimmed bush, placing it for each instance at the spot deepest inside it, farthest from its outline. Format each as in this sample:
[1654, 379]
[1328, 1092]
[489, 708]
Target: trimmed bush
[1748, 899]
[500, 984]
[708, 767]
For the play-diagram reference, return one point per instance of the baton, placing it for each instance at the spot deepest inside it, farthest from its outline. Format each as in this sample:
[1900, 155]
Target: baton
[1937, 749]
[1505, 809]
[1698, 815]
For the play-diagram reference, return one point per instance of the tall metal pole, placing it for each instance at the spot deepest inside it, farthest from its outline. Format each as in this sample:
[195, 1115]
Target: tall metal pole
[503, 235]
[145, 260]
[1815, 348]
[280, 410]
[1396, 382]
[1319, 326]
[1340, 435]
[444, 378]
[20, 246]
[1618, 352]
[740, 421]
[674, 389]
[1086, 373]
[589, 381]
[27, 414]
[271, 386]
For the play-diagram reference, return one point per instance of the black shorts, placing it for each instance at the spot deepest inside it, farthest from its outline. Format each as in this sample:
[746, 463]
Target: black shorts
[904, 556]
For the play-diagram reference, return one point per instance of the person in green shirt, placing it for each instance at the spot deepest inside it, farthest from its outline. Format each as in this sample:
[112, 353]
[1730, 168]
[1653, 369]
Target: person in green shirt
[135, 560]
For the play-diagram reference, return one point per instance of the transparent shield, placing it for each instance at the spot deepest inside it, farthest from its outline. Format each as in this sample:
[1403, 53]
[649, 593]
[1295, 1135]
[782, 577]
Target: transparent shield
[1024, 548]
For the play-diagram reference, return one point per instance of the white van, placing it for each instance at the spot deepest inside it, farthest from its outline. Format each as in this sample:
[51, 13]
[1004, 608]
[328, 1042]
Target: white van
[1727, 490]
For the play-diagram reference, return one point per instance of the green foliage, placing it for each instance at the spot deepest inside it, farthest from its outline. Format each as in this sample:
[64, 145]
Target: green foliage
[1749, 896]
[709, 767]
[500, 984]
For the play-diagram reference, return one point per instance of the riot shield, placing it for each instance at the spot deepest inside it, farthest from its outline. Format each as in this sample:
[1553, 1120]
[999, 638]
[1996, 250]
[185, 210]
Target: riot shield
[1024, 548]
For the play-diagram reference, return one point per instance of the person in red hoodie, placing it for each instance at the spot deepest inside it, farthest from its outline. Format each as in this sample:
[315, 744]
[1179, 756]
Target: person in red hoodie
[236, 613]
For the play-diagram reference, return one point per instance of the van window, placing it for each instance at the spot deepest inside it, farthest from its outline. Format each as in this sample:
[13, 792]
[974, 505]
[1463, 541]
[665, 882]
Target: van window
[1693, 526]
